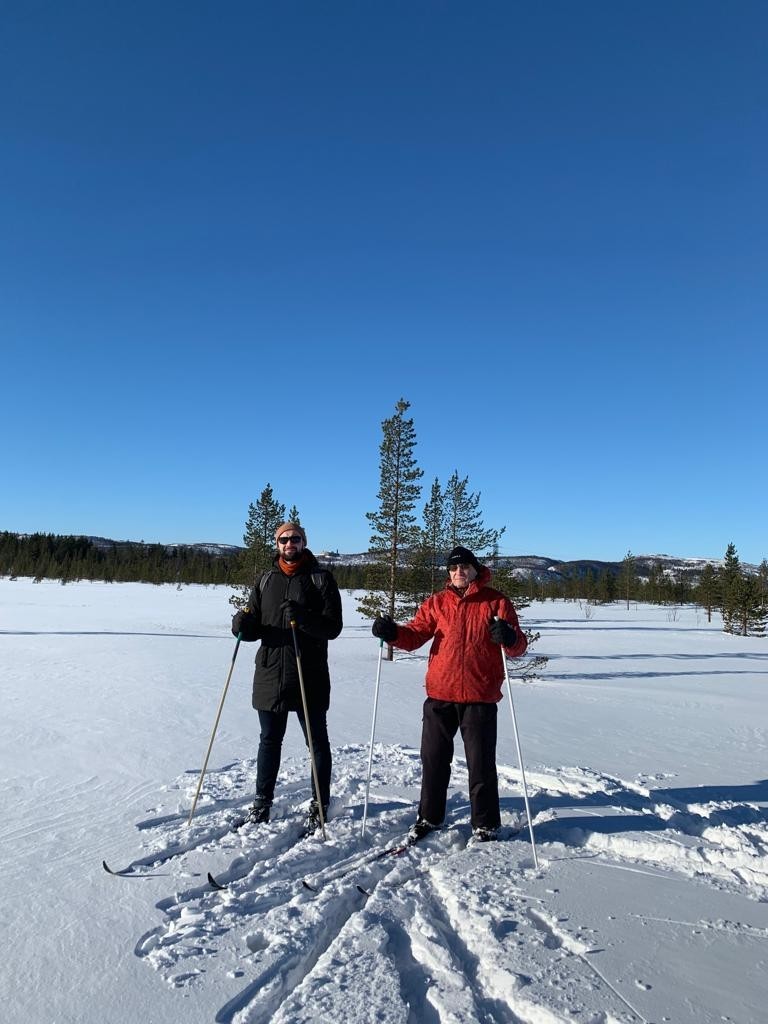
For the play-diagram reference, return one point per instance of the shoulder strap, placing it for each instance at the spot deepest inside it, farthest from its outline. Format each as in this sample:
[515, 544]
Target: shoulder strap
[264, 578]
[317, 578]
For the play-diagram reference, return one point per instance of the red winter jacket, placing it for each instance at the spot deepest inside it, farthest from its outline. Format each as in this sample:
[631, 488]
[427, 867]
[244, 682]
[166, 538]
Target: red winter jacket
[464, 663]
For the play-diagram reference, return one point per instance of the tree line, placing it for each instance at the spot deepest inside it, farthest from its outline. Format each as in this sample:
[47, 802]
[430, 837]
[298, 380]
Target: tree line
[70, 558]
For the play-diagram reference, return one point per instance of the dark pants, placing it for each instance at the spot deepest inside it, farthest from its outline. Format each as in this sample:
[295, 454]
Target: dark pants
[440, 723]
[273, 724]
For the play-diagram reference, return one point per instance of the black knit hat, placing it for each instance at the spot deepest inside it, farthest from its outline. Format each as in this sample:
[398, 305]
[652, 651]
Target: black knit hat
[463, 556]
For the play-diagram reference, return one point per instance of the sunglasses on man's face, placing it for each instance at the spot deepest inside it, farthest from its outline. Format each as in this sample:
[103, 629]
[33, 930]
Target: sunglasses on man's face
[457, 566]
[294, 538]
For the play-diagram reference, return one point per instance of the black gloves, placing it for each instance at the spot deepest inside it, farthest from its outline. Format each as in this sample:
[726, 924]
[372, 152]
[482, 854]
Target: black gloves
[294, 611]
[385, 628]
[247, 625]
[503, 633]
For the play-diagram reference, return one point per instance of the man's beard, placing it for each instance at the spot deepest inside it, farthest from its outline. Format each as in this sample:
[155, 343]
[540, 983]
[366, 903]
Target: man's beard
[292, 557]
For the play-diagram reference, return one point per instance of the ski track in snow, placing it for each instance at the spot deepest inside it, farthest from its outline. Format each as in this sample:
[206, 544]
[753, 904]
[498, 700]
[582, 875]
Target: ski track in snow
[451, 931]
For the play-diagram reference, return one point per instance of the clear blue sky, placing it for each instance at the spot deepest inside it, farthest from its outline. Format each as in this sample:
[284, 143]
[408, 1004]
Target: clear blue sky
[232, 235]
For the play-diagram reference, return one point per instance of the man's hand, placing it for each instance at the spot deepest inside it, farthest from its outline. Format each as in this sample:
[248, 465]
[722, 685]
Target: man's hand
[502, 633]
[246, 624]
[294, 611]
[385, 628]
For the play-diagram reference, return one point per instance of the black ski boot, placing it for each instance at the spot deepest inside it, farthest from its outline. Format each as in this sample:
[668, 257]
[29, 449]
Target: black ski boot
[485, 835]
[258, 814]
[420, 828]
[312, 820]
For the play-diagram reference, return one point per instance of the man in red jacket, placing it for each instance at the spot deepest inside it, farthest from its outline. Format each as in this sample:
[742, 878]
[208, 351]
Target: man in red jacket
[467, 621]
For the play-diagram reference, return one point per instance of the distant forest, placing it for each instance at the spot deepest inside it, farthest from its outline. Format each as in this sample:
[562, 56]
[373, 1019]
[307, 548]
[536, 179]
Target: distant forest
[46, 556]
[743, 599]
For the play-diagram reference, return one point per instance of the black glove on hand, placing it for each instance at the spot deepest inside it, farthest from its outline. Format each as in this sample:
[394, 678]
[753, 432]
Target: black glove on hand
[385, 628]
[294, 611]
[247, 624]
[503, 633]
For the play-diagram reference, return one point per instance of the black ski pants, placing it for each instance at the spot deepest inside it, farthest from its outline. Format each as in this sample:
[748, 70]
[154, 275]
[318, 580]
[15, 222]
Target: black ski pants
[440, 723]
[273, 725]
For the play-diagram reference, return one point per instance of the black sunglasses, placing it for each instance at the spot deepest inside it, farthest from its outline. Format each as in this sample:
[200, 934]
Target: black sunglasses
[286, 540]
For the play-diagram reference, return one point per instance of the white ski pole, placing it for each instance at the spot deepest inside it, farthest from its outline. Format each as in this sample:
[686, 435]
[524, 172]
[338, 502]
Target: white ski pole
[519, 758]
[373, 733]
[213, 733]
[309, 731]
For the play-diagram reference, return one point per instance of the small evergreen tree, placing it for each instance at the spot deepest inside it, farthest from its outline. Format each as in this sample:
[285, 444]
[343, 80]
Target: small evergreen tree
[628, 577]
[748, 612]
[463, 518]
[264, 517]
[728, 579]
[707, 590]
[390, 584]
[762, 576]
[431, 544]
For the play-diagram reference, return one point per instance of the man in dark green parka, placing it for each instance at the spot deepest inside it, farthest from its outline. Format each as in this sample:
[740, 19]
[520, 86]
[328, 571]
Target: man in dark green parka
[296, 589]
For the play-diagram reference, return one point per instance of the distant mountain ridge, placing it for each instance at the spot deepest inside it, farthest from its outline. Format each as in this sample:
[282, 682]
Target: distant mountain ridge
[539, 567]
[542, 568]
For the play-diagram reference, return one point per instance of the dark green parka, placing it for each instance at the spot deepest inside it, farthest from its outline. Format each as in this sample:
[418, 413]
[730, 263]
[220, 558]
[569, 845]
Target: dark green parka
[276, 680]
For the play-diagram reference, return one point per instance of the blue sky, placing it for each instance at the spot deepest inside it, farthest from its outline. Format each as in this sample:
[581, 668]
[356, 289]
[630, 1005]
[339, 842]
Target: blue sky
[234, 235]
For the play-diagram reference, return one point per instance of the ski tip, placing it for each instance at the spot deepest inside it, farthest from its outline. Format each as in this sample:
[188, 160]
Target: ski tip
[365, 892]
[306, 885]
[111, 871]
[213, 883]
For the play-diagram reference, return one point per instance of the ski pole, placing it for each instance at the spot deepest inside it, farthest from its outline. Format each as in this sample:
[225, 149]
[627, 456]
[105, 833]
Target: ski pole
[309, 730]
[373, 731]
[519, 758]
[215, 727]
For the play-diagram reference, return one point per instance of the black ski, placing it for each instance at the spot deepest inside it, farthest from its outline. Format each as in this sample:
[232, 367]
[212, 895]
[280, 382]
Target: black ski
[153, 861]
[389, 851]
[303, 834]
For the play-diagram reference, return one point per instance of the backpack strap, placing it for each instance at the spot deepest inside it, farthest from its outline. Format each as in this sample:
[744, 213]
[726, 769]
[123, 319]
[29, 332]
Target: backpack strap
[264, 579]
[317, 578]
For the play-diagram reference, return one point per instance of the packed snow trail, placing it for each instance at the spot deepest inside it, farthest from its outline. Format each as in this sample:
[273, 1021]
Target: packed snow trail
[450, 931]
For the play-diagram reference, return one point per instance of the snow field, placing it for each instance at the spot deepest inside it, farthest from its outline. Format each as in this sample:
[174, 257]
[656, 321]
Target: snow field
[644, 740]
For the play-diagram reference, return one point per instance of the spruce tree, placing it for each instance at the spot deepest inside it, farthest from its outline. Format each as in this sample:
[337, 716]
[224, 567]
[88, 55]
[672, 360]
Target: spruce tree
[431, 544]
[264, 517]
[762, 576]
[463, 518]
[728, 578]
[390, 585]
[628, 577]
[707, 590]
[748, 612]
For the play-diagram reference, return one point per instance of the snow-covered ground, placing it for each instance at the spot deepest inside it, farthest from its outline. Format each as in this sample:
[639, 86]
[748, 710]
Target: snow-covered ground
[645, 746]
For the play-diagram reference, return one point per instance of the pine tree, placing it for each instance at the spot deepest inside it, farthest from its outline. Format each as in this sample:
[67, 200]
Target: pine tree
[431, 545]
[390, 581]
[748, 613]
[264, 517]
[707, 590]
[293, 516]
[628, 577]
[762, 575]
[728, 579]
[463, 518]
